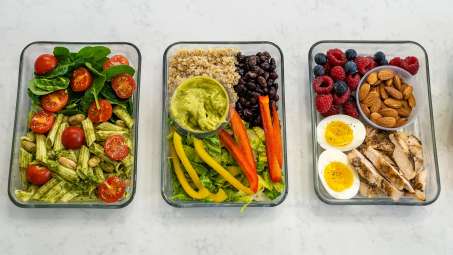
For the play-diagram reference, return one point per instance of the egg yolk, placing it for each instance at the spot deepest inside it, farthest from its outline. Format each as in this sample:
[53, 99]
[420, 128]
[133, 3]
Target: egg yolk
[338, 133]
[338, 176]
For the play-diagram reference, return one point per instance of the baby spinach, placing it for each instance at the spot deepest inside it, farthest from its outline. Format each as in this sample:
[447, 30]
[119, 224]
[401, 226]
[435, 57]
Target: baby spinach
[93, 70]
[44, 86]
[92, 93]
[118, 69]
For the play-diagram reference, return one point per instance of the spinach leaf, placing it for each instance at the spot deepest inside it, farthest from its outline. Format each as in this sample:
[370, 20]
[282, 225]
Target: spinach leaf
[108, 93]
[93, 70]
[93, 53]
[61, 53]
[119, 69]
[60, 70]
[92, 93]
[43, 86]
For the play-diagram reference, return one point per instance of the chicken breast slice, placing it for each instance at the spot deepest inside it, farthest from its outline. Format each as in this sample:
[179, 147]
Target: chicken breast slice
[420, 185]
[416, 151]
[368, 172]
[401, 156]
[387, 168]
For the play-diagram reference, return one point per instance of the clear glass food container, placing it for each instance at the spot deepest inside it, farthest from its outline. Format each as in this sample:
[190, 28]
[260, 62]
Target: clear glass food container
[23, 102]
[247, 48]
[422, 126]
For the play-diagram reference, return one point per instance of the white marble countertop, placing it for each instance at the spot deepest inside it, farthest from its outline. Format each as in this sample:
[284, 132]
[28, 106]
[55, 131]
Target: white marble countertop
[302, 224]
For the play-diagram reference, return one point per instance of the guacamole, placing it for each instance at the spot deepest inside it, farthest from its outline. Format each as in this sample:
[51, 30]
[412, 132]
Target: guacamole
[199, 104]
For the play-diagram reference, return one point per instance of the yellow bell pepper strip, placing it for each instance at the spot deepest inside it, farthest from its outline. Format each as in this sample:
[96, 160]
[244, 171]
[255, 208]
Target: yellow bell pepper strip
[199, 148]
[178, 150]
[202, 194]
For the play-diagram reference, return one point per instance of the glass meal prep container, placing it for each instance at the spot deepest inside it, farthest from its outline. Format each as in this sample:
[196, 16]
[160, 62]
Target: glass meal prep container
[422, 126]
[246, 48]
[23, 102]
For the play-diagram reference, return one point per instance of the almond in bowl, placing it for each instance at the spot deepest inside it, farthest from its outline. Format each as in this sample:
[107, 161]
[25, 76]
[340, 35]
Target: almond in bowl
[386, 98]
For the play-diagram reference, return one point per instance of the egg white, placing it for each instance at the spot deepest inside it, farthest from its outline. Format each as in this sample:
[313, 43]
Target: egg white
[334, 155]
[358, 132]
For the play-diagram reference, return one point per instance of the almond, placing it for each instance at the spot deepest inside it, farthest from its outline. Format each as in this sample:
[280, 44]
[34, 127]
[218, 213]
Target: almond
[393, 103]
[372, 78]
[382, 91]
[388, 112]
[371, 98]
[388, 122]
[375, 116]
[365, 110]
[407, 91]
[363, 91]
[389, 83]
[404, 111]
[401, 121]
[394, 93]
[411, 100]
[376, 105]
[385, 74]
[397, 82]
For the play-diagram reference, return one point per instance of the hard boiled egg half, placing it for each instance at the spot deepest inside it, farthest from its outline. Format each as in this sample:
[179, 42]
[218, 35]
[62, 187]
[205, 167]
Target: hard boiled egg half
[340, 132]
[337, 176]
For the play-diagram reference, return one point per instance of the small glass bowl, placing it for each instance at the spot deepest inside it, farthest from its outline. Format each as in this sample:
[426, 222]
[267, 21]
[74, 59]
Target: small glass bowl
[408, 78]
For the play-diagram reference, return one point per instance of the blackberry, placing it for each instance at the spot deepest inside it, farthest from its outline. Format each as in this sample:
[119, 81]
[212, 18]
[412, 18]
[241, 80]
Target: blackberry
[318, 70]
[340, 87]
[350, 67]
[351, 54]
[320, 59]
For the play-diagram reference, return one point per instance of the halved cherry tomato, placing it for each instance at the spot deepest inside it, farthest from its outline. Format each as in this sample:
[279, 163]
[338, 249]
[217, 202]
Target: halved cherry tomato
[112, 189]
[114, 61]
[38, 175]
[102, 114]
[73, 138]
[123, 85]
[45, 63]
[55, 101]
[42, 122]
[116, 148]
[81, 79]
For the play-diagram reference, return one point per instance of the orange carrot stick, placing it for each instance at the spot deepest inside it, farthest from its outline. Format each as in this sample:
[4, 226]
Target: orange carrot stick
[274, 168]
[242, 138]
[277, 135]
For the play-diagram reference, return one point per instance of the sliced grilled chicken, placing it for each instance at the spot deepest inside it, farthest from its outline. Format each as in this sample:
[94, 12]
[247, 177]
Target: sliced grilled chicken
[401, 156]
[420, 184]
[416, 151]
[378, 140]
[368, 172]
[369, 191]
[387, 168]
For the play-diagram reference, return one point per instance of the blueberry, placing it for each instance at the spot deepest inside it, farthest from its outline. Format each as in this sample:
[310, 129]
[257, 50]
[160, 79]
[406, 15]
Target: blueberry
[350, 67]
[379, 57]
[351, 54]
[318, 70]
[383, 62]
[320, 59]
[340, 87]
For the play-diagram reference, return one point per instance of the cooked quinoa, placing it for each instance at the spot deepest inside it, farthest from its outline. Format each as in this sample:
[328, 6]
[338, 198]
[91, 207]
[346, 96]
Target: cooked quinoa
[217, 63]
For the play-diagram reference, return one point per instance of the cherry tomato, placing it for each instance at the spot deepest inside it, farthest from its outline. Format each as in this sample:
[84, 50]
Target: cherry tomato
[81, 79]
[123, 85]
[114, 61]
[55, 101]
[42, 122]
[73, 138]
[112, 189]
[38, 175]
[45, 63]
[102, 114]
[115, 147]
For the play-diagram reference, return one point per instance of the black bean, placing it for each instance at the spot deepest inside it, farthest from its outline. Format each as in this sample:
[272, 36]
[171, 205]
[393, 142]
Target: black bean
[252, 75]
[272, 62]
[251, 86]
[265, 91]
[276, 97]
[253, 101]
[254, 68]
[261, 80]
[265, 66]
[263, 58]
[256, 94]
[273, 75]
[267, 54]
[275, 85]
[248, 113]
[266, 75]
[272, 92]
[238, 106]
[270, 82]
[252, 60]
[260, 71]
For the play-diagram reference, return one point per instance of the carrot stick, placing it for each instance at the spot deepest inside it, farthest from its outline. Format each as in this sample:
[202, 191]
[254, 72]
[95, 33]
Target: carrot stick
[274, 168]
[240, 158]
[240, 132]
[277, 135]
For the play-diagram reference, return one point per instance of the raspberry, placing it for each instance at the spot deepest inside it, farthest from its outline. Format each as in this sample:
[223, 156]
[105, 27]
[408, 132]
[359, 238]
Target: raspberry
[364, 64]
[322, 84]
[337, 73]
[349, 108]
[332, 111]
[336, 57]
[323, 103]
[327, 68]
[353, 81]
[339, 100]
[397, 61]
[411, 64]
